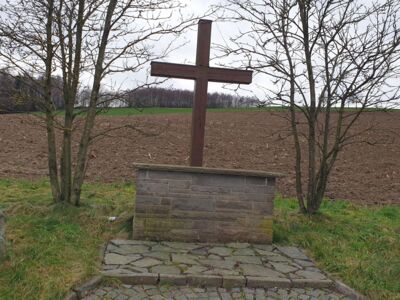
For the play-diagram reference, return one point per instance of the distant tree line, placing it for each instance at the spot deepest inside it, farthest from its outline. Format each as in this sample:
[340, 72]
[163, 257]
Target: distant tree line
[162, 97]
[25, 93]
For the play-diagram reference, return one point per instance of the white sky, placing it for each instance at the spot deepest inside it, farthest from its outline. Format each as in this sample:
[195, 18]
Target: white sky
[187, 54]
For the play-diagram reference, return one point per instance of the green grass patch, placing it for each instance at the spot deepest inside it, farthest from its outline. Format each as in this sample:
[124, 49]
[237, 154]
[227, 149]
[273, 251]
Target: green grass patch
[54, 247]
[171, 110]
[167, 110]
[360, 245]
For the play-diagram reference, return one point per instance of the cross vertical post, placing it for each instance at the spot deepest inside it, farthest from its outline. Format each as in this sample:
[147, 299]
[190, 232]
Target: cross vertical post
[200, 94]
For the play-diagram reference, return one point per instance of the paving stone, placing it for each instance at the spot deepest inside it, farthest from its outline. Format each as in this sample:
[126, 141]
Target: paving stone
[136, 269]
[161, 248]
[257, 270]
[221, 251]
[118, 259]
[245, 259]
[184, 259]
[264, 247]
[110, 267]
[195, 270]
[276, 258]
[293, 252]
[181, 246]
[265, 252]
[135, 249]
[199, 251]
[238, 245]
[283, 268]
[215, 263]
[310, 275]
[121, 297]
[146, 262]
[304, 263]
[213, 256]
[245, 251]
[164, 256]
[312, 269]
[216, 271]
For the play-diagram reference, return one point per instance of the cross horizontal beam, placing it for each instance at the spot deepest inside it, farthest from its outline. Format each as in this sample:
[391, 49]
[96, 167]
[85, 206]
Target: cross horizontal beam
[199, 72]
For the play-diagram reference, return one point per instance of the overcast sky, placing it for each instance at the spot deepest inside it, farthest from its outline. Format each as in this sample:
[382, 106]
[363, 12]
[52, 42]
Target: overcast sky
[187, 53]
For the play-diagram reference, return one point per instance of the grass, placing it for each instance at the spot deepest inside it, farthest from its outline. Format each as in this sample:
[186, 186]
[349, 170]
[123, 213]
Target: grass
[54, 247]
[360, 245]
[169, 110]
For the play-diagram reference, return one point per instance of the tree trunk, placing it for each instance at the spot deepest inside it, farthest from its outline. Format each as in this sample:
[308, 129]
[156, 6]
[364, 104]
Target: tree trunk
[80, 168]
[312, 202]
[51, 137]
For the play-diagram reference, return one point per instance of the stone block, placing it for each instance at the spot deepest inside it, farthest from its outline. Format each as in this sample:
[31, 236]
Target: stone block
[204, 280]
[230, 282]
[172, 279]
[180, 186]
[141, 175]
[169, 175]
[133, 278]
[152, 200]
[255, 181]
[151, 188]
[84, 289]
[271, 181]
[263, 208]
[152, 209]
[191, 215]
[194, 204]
[312, 283]
[218, 180]
[234, 205]
[267, 282]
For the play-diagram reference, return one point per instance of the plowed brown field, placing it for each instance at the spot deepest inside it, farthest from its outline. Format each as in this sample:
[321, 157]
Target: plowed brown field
[367, 171]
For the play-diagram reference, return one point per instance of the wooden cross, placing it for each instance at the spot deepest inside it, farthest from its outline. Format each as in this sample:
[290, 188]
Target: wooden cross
[202, 73]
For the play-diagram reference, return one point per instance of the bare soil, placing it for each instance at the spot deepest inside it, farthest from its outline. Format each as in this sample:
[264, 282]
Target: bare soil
[367, 171]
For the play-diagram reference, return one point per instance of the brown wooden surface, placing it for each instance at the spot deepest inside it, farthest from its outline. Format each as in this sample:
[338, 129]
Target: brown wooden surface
[202, 74]
[193, 72]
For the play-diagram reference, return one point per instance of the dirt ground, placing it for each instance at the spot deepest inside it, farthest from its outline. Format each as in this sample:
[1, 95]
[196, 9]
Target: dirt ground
[367, 171]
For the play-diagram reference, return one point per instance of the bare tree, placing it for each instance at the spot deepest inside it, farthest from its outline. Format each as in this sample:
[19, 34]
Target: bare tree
[81, 40]
[320, 56]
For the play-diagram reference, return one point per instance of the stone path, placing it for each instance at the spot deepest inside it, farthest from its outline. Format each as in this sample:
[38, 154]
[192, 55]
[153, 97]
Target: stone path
[126, 292]
[171, 270]
[230, 265]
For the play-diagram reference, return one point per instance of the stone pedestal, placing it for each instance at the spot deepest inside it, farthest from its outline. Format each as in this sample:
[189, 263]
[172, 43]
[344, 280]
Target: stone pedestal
[191, 204]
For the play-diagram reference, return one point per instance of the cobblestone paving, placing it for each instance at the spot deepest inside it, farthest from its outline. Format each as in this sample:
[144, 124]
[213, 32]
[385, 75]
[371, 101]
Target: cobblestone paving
[235, 259]
[126, 292]
[171, 270]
